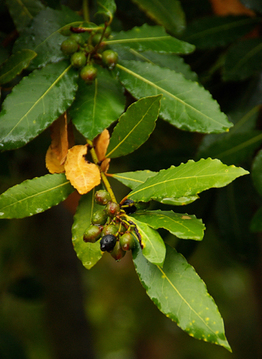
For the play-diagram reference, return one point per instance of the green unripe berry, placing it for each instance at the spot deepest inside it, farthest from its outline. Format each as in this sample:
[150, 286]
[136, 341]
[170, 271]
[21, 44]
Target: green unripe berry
[78, 59]
[117, 252]
[102, 197]
[127, 241]
[88, 73]
[78, 38]
[96, 39]
[109, 58]
[110, 229]
[99, 217]
[112, 209]
[92, 234]
[69, 46]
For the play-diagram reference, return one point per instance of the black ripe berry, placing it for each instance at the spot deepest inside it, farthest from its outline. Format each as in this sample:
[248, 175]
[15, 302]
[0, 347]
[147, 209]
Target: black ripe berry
[129, 206]
[107, 243]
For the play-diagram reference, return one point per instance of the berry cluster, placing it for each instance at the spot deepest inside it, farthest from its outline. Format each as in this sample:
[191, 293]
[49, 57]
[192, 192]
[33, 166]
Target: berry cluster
[84, 53]
[108, 224]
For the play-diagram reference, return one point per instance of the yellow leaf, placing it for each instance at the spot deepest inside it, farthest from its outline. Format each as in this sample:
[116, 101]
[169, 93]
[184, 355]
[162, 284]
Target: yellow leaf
[105, 165]
[52, 163]
[101, 143]
[59, 136]
[82, 174]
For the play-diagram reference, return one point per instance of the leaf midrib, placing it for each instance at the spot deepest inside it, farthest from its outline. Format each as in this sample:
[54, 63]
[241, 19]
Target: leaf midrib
[216, 29]
[138, 39]
[177, 179]
[166, 92]
[35, 195]
[132, 130]
[184, 300]
[40, 98]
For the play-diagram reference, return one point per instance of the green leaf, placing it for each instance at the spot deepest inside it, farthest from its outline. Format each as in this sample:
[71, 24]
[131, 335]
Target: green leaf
[134, 127]
[106, 8]
[15, 64]
[88, 253]
[170, 61]
[231, 148]
[256, 172]
[181, 225]
[216, 31]
[30, 108]
[167, 13]
[185, 104]
[152, 38]
[186, 180]
[153, 245]
[243, 60]
[44, 36]
[95, 106]
[34, 196]
[182, 296]
[23, 11]
[133, 179]
[255, 5]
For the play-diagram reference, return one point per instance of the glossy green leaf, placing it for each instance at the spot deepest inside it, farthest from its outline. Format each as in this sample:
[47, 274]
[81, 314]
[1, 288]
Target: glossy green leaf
[256, 172]
[167, 13]
[154, 248]
[181, 225]
[216, 31]
[44, 36]
[185, 104]
[152, 38]
[243, 60]
[133, 179]
[170, 61]
[106, 8]
[34, 196]
[23, 11]
[134, 126]
[231, 148]
[97, 105]
[186, 180]
[88, 253]
[15, 64]
[30, 107]
[255, 5]
[182, 296]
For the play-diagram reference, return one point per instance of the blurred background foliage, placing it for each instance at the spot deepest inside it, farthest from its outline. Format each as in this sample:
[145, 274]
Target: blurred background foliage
[51, 307]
